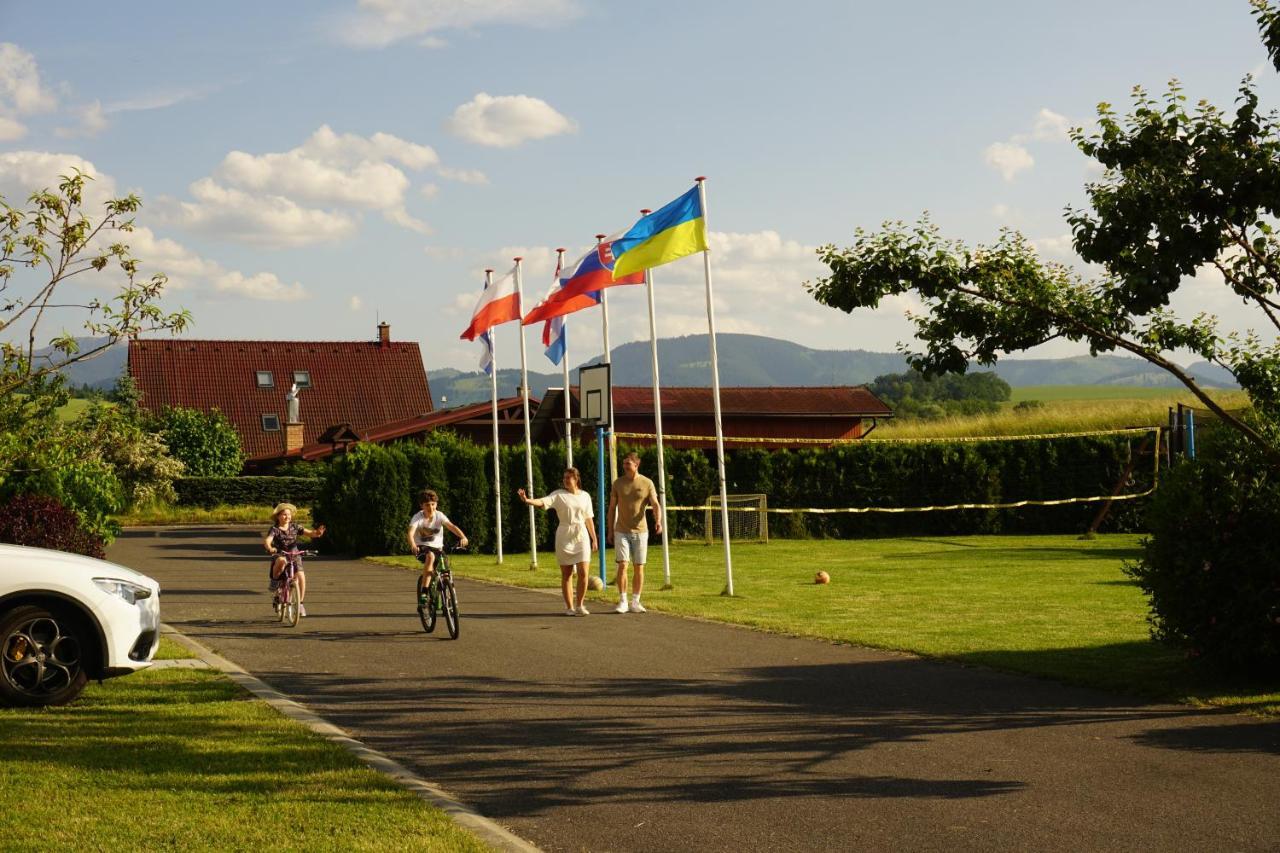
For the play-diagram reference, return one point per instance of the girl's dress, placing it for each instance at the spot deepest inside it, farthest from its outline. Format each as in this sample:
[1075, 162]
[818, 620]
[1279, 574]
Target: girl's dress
[573, 542]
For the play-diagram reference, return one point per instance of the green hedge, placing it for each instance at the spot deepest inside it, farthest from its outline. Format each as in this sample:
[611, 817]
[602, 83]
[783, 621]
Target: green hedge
[265, 491]
[376, 488]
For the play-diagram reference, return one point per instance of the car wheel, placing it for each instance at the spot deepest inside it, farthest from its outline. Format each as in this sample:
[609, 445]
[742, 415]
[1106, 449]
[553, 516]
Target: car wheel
[41, 658]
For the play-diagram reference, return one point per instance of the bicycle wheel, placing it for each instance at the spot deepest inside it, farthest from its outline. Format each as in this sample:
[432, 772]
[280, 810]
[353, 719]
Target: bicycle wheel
[291, 607]
[449, 604]
[427, 613]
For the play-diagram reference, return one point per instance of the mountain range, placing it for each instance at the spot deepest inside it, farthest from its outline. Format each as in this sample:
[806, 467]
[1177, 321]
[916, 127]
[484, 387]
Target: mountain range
[747, 360]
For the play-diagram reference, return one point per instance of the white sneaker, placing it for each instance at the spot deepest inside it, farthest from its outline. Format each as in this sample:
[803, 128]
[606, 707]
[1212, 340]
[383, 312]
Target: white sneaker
[582, 610]
[636, 606]
[571, 612]
[622, 607]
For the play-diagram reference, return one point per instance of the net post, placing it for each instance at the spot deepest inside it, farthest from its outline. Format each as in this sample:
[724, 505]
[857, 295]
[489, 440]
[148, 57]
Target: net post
[764, 519]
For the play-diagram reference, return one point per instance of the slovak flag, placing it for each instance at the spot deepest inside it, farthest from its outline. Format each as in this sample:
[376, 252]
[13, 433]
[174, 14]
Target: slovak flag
[580, 285]
[500, 303]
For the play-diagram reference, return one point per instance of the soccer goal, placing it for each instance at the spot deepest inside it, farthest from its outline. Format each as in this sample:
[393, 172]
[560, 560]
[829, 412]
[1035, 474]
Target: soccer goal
[748, 518]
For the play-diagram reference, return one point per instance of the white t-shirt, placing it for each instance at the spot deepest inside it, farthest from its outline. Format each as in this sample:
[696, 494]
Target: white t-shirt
[428, 531]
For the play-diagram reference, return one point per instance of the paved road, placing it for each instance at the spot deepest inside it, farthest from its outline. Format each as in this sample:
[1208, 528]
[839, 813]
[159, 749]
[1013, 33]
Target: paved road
[646, 732]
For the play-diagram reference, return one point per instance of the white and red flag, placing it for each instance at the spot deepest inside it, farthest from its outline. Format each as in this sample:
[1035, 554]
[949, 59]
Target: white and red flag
[500, 303]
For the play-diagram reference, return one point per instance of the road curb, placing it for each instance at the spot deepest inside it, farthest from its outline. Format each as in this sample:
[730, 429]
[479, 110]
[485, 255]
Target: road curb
[489, 831]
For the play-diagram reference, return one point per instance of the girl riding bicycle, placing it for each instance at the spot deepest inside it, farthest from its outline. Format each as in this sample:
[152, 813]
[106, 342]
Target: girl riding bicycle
[426, 537]
[282, 537]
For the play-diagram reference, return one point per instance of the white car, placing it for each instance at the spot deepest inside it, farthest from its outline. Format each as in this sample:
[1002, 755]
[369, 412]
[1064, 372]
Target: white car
[65, 619]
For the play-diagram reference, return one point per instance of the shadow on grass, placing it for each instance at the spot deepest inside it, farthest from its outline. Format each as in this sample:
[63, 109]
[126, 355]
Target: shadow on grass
[1137, 668]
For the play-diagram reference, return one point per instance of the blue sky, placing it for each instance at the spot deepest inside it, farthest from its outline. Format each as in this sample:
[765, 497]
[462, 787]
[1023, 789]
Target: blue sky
[308, 168]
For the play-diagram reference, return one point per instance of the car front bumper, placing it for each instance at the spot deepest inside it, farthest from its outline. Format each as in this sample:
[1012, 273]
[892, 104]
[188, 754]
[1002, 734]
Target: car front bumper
[132, 633]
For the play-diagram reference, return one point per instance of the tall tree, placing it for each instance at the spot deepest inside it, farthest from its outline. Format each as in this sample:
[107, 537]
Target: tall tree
[1185, 191]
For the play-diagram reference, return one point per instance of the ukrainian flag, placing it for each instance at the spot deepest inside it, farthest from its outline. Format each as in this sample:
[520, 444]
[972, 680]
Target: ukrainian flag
[676, 230]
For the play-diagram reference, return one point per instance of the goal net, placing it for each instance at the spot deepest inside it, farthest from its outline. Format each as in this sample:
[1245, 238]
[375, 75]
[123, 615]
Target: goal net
[748, 518]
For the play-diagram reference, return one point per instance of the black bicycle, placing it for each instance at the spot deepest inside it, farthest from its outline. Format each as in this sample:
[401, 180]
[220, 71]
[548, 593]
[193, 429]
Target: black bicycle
[442, 596]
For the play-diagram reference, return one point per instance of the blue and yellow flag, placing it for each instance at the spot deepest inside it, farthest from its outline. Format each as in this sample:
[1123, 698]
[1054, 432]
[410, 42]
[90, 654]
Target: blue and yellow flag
[669, 233]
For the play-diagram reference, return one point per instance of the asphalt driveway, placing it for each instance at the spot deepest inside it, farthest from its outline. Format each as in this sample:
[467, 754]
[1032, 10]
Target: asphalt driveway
[648, 732]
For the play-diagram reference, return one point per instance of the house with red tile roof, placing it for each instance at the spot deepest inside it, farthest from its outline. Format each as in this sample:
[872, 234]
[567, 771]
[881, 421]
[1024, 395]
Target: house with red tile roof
[827, 413]
[474, 422]
[346, 388]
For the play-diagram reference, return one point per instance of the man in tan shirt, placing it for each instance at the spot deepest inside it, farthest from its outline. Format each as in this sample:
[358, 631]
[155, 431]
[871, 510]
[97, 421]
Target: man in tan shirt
[628, 528]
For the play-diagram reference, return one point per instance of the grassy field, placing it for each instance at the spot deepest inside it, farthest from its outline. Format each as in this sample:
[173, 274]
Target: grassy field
[182, 759]
[165, 514]
[1053, 606]
[1054, 393]
[1064, 414]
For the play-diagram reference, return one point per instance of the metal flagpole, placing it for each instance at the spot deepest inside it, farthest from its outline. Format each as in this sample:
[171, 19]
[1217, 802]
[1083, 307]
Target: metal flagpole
[715, 398]
[657, 420]
[528, 442]
[608, 359]
[564, 366]
[497, 455]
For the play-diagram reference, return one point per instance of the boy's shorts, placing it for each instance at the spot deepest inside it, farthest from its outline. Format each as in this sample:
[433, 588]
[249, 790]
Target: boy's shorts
[631, 548]
[422, 553]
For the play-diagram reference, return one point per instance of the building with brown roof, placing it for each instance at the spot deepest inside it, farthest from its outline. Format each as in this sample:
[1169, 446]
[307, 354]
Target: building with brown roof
[474, 422]
[828, 413]
[346, 388]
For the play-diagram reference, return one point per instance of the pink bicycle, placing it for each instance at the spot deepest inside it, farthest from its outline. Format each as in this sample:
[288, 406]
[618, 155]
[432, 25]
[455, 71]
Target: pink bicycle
[287, 601]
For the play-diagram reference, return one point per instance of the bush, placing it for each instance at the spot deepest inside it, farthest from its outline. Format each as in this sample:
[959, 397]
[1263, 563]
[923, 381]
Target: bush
[364, 502]
[1210, 563]
[206, 443]
[209, 492]
[43, 522]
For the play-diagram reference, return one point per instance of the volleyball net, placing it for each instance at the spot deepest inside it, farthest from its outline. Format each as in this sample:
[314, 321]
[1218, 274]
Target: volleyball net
[1025, 483]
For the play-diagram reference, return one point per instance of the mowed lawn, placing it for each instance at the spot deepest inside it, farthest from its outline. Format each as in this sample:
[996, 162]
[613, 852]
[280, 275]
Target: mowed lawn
[182, 760]
[1053, 606]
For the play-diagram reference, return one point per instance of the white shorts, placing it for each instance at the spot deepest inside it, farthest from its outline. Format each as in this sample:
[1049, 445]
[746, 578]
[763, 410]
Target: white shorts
[631, 547]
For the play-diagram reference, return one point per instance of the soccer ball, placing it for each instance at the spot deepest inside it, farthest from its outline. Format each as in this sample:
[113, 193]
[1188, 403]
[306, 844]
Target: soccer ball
[595, 583]
[822, 577]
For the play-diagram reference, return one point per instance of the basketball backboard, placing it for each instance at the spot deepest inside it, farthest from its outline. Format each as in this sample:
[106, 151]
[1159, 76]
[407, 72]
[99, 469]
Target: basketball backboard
[594, 395]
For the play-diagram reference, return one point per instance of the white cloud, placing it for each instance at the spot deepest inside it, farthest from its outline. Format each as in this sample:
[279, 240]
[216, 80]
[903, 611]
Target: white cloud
[355, 303]
[11, 129]
[92, 121]
[463, 176]
[1056, 248]
[429, 190]
[378, 23]
[311, 193]
[506, 121]
[262, 286]
[400, 216]
[1048, 126]
[21, 91]
[264, 220]
[22, 172]
[1008, 158]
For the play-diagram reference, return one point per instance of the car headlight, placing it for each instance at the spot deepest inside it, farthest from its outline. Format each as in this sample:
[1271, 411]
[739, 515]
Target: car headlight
[130, 592]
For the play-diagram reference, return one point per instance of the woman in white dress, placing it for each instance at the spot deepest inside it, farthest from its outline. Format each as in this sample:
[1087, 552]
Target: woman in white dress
[575, 536]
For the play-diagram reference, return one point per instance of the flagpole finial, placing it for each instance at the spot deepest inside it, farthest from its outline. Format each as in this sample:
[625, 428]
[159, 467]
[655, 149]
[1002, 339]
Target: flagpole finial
[561, 249]
[601, 236]
[517, 259]
[488, 269]
[644, 211]
[699, 179]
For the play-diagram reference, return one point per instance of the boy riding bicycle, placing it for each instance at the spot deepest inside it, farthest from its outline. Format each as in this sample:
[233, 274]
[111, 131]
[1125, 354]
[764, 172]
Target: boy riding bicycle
[426, 537]
[283, 536]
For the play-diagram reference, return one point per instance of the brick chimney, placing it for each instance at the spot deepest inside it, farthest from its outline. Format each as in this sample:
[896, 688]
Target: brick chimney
[384, 335]
[292, 437]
